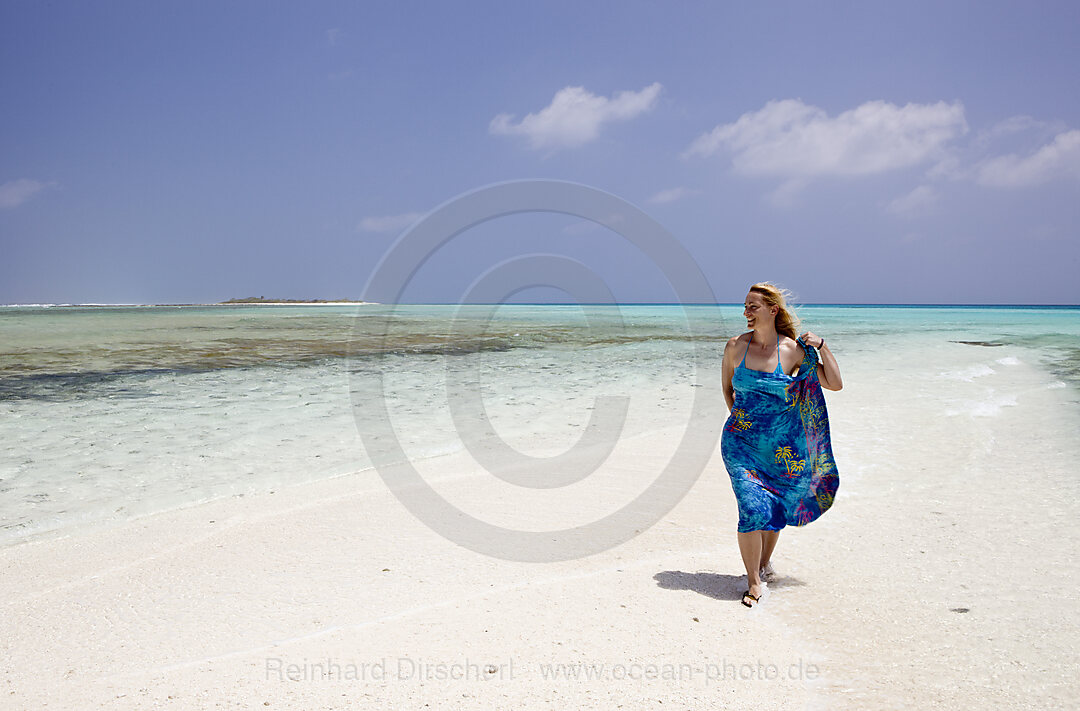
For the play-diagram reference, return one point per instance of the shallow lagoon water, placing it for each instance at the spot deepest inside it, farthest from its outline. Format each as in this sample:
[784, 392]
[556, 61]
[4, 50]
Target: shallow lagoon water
[110, 413]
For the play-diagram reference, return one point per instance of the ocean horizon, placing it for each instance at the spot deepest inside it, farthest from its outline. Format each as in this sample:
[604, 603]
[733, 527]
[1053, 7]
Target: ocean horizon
[550, 303]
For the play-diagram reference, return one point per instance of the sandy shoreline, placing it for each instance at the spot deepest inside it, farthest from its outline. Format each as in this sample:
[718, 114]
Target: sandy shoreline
[938, 579]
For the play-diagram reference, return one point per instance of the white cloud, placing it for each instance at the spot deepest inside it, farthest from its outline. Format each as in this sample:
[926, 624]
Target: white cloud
[672, 194]
[1016, 134]
[918, 202]
[1010, 126]
[1059, 158]
[389, 223]
[15, 192]
[574, 117]
[791, 139]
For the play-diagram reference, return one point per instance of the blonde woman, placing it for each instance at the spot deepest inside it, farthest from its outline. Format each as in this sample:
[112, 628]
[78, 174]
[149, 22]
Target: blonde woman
[776, 444]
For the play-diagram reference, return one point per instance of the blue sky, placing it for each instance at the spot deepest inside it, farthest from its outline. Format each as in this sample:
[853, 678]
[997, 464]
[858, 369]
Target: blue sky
[853, 152]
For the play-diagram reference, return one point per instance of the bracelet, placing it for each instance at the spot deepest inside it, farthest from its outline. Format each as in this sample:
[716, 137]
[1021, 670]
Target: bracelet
[821, 345]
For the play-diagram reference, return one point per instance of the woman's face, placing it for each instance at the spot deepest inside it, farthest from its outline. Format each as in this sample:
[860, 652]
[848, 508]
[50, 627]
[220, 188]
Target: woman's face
[757, 311]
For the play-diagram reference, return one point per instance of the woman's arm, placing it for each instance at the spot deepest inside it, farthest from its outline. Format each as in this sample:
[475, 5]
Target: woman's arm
[828, 371]
[728, 372]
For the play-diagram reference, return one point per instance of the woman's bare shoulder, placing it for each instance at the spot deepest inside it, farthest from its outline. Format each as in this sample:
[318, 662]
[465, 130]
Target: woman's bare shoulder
[792, 347]
[786, 342]
[735, 340]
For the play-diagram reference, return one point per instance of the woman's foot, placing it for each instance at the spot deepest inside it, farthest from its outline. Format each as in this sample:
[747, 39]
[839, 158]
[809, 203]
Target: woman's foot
[767, 573]
[752, 596]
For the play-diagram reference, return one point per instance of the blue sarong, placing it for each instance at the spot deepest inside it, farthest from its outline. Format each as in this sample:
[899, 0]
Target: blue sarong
[776, 447]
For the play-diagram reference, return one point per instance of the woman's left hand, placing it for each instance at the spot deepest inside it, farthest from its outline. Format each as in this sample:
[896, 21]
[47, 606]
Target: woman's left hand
[809, 339]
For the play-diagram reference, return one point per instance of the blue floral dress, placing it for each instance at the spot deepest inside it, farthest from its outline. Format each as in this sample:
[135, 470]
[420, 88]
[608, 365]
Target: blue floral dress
[776, 446]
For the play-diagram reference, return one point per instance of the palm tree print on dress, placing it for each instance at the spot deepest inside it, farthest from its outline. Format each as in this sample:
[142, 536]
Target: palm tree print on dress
[785, 456]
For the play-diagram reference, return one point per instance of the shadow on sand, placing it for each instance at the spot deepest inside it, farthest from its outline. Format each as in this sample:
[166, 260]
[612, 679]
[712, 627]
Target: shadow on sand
[716, 585]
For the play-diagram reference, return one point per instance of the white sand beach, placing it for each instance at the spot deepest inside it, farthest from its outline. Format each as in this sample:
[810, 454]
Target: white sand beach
[942, 577]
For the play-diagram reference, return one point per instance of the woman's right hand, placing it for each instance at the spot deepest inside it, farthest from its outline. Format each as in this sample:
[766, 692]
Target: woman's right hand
[809, 337]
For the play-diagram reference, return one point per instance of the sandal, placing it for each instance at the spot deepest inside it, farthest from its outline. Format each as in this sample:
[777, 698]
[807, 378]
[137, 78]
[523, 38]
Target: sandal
[748, 595]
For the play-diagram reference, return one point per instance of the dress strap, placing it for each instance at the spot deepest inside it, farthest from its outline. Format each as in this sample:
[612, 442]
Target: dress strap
[779, 366]
[748, 342]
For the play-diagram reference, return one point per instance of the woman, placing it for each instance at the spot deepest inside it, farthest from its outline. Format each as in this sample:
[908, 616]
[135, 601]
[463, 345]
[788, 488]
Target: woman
[776, 441]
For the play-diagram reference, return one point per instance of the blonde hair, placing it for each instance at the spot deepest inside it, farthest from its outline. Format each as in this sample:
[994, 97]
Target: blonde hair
[787, 322]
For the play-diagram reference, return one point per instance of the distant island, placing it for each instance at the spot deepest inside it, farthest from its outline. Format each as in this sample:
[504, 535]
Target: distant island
[264, 300]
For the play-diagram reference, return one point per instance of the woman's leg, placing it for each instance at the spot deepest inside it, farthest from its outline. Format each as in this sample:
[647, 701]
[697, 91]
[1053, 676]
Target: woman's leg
[768, 544]
[750, 546]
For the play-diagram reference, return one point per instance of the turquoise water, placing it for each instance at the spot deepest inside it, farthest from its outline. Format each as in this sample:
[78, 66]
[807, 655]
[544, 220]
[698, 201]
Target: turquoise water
[108, 413]
[75, 352]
